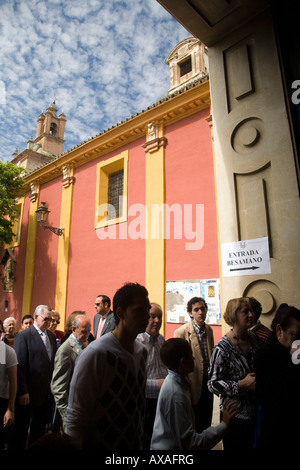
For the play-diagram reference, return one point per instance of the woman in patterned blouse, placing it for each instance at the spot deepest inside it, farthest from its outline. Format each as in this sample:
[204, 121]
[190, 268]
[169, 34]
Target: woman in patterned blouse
[231, 372]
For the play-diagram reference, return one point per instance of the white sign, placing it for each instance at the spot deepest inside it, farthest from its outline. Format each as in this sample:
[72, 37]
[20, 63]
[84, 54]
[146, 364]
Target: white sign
[246, 257]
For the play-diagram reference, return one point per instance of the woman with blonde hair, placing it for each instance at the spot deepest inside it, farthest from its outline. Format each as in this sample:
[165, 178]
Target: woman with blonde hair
[231, 372]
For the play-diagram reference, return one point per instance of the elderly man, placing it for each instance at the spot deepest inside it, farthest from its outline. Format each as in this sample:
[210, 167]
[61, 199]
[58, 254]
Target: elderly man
[200, 336]
[104, 320]
[65, 361]
[156, 370]
[35, 348]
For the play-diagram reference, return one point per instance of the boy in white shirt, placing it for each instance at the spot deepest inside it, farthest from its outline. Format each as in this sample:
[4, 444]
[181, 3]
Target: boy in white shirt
[174, 421]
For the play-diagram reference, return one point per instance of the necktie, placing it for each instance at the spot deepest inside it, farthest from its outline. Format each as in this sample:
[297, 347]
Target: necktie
[47, 344]
[100, 327]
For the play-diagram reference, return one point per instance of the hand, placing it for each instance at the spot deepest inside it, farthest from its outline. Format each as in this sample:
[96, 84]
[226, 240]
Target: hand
[248, 383]
[160, 382]
[230, 409]
[8, 418]
[24, 399]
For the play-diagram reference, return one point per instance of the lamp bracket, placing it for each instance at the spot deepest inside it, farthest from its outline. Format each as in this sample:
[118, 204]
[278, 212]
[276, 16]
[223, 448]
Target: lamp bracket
[57, 230]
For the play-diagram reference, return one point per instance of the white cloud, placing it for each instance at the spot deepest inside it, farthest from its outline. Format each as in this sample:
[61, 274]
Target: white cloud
[2, 93]
[102, 61]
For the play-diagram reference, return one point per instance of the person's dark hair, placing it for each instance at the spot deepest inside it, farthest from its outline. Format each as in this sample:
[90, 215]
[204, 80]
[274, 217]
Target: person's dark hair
[27, 316]
[194, 300]
[54, 441]
[105, 299]
[283, 317]
[255, 307]
[173, 350]
[125, 296]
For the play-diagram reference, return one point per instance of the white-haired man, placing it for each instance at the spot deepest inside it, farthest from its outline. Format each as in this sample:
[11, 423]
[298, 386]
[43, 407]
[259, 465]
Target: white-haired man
[35, 348]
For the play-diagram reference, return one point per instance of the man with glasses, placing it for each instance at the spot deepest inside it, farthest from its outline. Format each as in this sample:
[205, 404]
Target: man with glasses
[35, 348]
[201, 339]
[104, 320]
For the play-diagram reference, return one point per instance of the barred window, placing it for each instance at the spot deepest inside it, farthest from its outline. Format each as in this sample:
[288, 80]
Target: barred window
[111, 190]
[186, 66]
[115, 193]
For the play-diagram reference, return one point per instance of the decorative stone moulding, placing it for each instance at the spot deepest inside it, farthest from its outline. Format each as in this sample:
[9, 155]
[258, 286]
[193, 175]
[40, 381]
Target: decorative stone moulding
[152, 131]
[35, 188]
[246, 135]
[155, 144]
[68, 177]
[153, 141]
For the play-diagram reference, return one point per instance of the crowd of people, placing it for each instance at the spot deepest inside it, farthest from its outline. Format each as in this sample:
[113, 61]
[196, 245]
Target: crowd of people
[115, 383]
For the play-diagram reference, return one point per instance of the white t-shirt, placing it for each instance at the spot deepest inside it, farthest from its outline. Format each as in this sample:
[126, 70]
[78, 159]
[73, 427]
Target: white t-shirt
[8, 358]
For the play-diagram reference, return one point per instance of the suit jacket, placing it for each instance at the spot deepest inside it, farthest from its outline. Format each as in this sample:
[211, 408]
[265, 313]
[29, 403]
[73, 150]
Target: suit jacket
[187, 332]
[35, 368]
[109, 324]
[64, 364]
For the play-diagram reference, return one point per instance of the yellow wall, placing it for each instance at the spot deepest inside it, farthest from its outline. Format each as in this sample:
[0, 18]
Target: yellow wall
[29, 261]
[155, 247]
[63, 254]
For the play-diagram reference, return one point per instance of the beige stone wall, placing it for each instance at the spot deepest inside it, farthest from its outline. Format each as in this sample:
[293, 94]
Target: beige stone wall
[255, 170]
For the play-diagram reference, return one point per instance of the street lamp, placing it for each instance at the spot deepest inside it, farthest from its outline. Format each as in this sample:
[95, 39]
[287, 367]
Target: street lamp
[42, 216]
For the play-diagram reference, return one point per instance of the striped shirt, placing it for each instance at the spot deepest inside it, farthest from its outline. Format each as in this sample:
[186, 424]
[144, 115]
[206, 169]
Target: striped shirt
[202, 338]
[155, 368]
[227, 367]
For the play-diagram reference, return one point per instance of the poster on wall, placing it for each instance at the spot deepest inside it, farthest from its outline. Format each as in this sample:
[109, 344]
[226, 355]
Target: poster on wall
[178, 293]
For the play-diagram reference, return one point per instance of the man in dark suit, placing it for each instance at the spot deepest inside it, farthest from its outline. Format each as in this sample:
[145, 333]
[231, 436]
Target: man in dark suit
[35, 348]
[104, 320]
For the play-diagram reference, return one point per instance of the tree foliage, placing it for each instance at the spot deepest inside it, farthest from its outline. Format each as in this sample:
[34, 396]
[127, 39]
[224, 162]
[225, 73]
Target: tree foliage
[11, 184]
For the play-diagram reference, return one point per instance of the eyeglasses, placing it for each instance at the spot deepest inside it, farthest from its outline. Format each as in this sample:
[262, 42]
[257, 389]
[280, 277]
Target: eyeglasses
[97, 305]
[46, 318]
[54, 321]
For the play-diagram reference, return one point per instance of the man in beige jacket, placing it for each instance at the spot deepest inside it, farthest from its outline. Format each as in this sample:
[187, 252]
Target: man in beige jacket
[200, 337]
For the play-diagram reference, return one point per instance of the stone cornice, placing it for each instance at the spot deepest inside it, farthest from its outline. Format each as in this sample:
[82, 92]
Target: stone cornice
[164, 113]
[49, 136]
[154, 144]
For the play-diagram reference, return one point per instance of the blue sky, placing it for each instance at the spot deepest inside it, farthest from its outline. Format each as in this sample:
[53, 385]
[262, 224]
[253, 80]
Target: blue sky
[101, 60]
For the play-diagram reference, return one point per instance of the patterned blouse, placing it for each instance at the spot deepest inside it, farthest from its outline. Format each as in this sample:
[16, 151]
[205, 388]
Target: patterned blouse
[227, 367]
[154, 366]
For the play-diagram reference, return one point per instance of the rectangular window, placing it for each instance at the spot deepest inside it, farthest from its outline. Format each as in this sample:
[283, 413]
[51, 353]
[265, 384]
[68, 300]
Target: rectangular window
[111, 191]
[115, 193]
[186, 66]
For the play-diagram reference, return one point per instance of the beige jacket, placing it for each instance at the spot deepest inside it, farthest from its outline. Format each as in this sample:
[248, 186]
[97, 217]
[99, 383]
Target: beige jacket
[187, 332]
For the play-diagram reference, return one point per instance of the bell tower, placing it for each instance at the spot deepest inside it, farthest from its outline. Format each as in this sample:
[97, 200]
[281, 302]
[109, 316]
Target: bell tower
[50, 131]
[187, 63]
